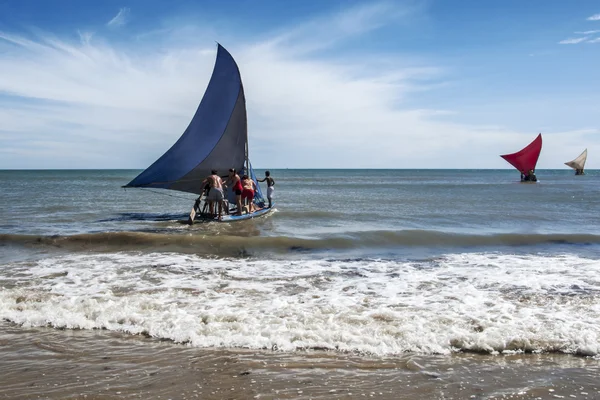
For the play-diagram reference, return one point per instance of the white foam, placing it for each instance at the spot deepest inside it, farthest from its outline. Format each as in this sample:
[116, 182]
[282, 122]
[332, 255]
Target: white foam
[482, 302]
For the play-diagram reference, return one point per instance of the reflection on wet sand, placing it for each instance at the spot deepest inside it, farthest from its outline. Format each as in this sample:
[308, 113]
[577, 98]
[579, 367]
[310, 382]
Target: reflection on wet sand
[62, 364]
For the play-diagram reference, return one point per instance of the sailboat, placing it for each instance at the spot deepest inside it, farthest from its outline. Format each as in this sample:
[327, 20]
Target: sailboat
[526, 159]
[215, 139]
[579, 163]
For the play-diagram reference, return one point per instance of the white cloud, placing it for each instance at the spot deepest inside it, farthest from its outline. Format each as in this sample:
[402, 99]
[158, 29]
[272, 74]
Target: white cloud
[574, 40]
[59, 99]
[119, 19]
[596, 40]
[324, 31]
[595, 17]
[587, 32]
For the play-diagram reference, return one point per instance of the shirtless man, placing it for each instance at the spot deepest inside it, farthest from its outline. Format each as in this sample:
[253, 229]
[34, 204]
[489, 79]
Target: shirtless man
[215, 193]
[235, 183]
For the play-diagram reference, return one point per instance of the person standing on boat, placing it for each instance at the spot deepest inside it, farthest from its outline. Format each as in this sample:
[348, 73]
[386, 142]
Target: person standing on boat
[215, 193]
[235, 184]
[270, 189]
[249, 187]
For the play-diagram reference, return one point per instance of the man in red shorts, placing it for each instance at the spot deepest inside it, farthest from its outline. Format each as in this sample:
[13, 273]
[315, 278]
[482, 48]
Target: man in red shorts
[249, 187]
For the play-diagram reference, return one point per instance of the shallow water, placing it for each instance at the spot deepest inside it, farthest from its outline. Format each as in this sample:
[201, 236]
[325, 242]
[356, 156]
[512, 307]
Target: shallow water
[64, 364]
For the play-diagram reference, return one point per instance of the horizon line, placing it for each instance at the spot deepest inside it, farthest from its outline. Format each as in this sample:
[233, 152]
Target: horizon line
[301, 169]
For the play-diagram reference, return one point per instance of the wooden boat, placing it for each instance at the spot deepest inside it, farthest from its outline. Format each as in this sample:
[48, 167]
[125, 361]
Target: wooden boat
[578, 164]
[216, 139]
[526, 159]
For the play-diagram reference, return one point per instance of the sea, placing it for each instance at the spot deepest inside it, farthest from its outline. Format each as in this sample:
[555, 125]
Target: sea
[390, 284]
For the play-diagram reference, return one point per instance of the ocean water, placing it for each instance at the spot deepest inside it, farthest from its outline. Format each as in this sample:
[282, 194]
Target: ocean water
[373, 262]
[441, 284]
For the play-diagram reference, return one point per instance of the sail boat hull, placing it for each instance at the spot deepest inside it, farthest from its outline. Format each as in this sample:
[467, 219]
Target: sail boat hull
[235, 218]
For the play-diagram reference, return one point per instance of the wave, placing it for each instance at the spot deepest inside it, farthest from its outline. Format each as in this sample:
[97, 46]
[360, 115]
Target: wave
[230, 245]
[475, 302]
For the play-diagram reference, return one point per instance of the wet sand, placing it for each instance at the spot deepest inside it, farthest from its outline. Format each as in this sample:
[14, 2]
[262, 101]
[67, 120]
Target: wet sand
[46, 363]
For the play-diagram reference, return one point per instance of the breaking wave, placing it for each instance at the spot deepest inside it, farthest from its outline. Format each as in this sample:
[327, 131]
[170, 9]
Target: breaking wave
[476, 302]
[230, 245]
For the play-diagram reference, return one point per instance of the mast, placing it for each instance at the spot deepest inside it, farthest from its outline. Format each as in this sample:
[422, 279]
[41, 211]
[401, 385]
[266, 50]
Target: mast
[247, 158]
[246, 155]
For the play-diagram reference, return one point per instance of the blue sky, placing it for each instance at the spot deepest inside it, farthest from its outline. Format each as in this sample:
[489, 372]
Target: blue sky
[329, 84]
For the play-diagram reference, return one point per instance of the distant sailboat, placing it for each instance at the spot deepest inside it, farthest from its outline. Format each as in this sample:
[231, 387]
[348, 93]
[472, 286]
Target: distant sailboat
[526, 159]
[216, 139]
[578, 164]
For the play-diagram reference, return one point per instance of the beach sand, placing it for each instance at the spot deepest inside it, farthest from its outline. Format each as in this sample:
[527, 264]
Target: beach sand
[46, 363]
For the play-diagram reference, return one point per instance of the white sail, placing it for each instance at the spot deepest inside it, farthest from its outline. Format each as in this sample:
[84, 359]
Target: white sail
[579, 162]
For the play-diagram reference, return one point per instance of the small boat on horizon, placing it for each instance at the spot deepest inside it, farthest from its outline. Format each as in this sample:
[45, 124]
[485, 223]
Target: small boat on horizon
[578, 164]
[215, 139]
[526, 159]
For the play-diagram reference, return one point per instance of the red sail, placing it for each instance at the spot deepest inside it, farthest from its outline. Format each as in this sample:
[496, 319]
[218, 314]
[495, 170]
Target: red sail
[526, 159]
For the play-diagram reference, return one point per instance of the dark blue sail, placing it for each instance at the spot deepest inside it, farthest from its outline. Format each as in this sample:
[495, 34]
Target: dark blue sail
[215, 138]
